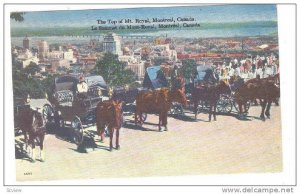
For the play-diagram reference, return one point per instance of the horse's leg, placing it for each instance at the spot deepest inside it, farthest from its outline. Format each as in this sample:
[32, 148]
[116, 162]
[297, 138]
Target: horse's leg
[240, 105]
[269, 103]
[117, 139]
[215, 110]
[41, 144]
[159, 121]
[196, 109]
[111, 135]
[141, 118]
[263, 106]
[101, 133]
[31, 142]
[165, 121]
[210, 111]
[245, 109]
[25, 147]
[135, 117]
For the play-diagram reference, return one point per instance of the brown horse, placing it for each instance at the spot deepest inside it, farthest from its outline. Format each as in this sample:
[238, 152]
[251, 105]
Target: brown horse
[159, 102]
[109, 114]
[32, 124]
[211, 95]
[263, 89]
[178, 83]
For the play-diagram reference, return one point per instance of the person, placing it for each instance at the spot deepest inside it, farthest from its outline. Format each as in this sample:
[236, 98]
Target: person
[82, 88]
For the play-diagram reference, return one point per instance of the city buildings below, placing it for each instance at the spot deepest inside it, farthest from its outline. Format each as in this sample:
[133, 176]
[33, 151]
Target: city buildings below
[112, 44]
[69, 55]
[163, 53]
[27, 57]
[134, 63]
[89, 59]
[43, 50]
[26, 43]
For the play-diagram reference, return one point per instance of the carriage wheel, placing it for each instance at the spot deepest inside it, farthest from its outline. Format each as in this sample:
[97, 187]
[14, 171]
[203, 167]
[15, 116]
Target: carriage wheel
[176, 109]
[236, 106]
[224, 104]
[144, 117]
[48, 113]
[78, 130]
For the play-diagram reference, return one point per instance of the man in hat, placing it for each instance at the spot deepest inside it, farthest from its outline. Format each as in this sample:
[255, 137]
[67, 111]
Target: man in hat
[82, 88]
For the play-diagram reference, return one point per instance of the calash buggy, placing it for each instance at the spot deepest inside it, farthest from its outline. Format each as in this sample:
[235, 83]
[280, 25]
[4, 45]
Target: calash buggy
[205, 75]
[154, 79]
[68, 107]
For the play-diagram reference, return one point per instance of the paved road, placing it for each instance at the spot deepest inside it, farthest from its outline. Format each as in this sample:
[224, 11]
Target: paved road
[190, 147]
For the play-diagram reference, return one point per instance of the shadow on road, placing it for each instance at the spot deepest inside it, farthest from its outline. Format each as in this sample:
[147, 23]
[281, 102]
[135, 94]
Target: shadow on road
[20, 153]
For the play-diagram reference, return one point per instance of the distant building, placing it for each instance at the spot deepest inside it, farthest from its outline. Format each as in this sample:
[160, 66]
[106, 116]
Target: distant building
[26, 43]
[43, 48]
[135, 64]
[55, 55]
[137, 68]
[112, 44]
[27, 57]
[68, 55]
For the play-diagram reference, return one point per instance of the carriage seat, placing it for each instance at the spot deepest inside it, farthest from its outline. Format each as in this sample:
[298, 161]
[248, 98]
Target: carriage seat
[64, 97]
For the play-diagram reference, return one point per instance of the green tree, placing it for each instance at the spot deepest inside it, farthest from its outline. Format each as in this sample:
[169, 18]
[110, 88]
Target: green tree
[189, 68]
[113, 71]
[31, 69]
[17, 16]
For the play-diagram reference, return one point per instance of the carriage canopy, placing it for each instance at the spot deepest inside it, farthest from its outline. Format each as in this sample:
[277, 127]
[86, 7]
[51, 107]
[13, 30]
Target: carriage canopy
[69, 82]
[205, 73]
[154, 78]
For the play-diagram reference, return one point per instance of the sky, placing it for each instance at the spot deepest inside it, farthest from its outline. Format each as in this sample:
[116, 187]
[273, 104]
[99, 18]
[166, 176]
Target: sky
[202, 14]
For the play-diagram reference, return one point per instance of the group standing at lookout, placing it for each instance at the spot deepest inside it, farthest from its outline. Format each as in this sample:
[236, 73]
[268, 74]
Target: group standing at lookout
[259, 66]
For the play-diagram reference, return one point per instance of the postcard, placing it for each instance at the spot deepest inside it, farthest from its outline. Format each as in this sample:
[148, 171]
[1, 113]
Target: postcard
[141, 92]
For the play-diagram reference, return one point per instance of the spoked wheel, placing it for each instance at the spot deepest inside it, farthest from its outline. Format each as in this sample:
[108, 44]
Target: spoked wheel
[48, 113]
[78, 130]
[144, 117]
[202, 106]
[176, 109]
[224, 104]
[236, 106]
[106, 131]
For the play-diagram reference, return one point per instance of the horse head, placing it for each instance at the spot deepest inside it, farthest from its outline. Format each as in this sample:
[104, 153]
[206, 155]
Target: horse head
[224, 88]
[38, 120]
[178, 95]
[117, 113]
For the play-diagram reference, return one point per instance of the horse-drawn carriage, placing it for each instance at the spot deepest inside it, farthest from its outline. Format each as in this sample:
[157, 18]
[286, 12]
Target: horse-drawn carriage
[205, 76]
[68, 105]
[154, 79]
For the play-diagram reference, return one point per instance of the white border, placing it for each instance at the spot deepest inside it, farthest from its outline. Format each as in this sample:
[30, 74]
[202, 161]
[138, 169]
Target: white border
[286, 20]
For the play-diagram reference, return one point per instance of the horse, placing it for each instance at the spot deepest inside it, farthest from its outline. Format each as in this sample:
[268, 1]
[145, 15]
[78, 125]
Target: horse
[262, 89]
[32, 124]
[158, 101]
[178, 83]
[209, 93]
[109, 113]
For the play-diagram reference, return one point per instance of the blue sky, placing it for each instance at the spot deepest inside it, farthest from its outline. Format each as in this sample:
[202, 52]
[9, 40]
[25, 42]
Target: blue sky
[202, 14]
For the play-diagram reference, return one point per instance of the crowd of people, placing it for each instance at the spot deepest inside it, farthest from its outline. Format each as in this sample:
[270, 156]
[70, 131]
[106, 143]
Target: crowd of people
[248, 68]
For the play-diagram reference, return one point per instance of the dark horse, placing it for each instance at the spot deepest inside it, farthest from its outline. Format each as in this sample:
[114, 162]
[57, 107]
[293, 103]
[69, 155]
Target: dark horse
[158, 102]
[209, 93]
[109, 114]
[32, 124]
[263, 89]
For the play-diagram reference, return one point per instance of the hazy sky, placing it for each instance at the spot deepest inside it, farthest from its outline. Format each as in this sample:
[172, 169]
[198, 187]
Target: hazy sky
[202, 14]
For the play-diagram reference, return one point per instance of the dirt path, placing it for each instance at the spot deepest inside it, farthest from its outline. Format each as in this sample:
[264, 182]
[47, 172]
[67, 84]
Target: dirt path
[227, 145]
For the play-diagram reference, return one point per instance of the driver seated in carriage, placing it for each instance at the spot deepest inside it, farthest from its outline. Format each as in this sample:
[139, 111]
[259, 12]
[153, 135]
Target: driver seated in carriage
[82, 88]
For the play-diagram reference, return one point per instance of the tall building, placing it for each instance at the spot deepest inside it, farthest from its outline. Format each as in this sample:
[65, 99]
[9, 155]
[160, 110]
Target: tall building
[112, 44]
[26, 43]
[43, 48]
